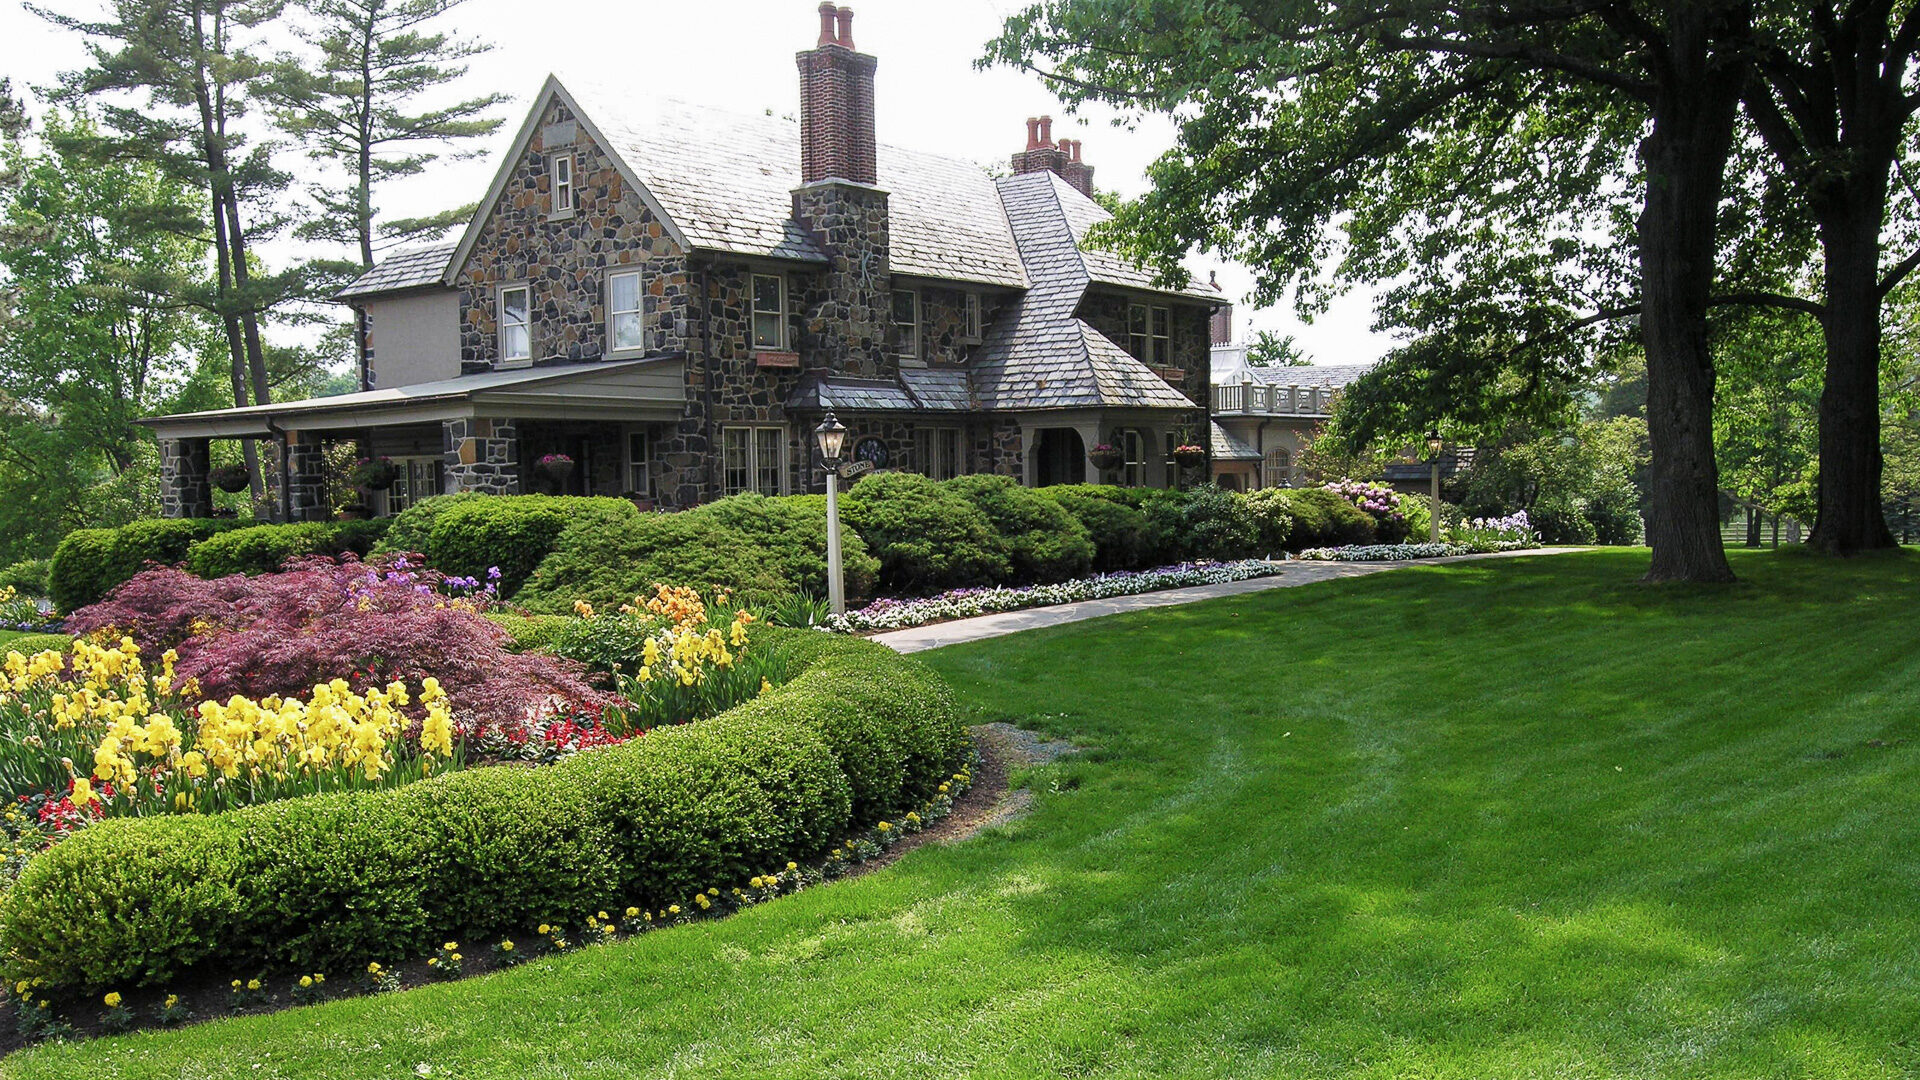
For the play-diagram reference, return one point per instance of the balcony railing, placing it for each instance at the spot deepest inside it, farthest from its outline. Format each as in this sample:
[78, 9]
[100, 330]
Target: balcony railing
[1277, 400]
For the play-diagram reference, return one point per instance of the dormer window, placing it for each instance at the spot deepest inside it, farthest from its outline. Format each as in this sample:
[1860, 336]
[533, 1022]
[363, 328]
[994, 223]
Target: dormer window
[906, 322]
[1150, 335]
[562, 185]
[516, 334]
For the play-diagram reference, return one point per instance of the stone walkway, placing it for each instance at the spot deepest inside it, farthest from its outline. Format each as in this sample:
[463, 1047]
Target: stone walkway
[933, 636]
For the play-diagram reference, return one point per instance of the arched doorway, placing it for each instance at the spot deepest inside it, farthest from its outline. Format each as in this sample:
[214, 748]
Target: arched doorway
[1059, 457]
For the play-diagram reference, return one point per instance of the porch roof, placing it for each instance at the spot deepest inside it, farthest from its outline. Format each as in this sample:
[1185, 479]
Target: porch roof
[652, 388]
[1229, 447]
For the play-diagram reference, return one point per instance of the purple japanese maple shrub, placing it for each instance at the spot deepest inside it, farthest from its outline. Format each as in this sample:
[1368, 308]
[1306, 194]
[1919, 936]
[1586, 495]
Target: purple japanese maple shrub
[325, 618]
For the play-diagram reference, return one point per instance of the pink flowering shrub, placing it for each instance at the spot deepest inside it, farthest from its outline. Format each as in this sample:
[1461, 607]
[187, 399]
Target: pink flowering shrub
[369, 623]
[1379, 501]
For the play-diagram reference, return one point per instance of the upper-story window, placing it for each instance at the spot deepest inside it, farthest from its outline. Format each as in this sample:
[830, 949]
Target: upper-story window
[972, 319]
[769, 311]
[906, 322]
[1150, 334]
[623, 311]
[516, 333]
[563, 184]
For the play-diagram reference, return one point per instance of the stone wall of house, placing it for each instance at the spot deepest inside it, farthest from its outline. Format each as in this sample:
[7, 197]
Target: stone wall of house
[307, 478]
[566, 258]
[482, 456]
[1190, 340]
[846, 326]
[185, 489]
[943, 324]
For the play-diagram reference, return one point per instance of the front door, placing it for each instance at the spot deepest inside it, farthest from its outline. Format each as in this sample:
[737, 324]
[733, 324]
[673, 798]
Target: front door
[1059, 457]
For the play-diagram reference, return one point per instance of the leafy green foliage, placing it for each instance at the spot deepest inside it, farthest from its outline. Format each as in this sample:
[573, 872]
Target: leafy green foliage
[90, 563]
[263, 549]
[517, 533]
[1272, 510]
[28, 576]
[1323, 519]
[1044, 542]
[926, 536]
[1114, 523]
[793, 530]
[607, 567]
[1208, 522]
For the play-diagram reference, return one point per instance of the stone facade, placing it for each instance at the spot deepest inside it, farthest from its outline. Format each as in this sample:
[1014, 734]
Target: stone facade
[565, 257]
[847, 327]
[481, 456]
[307, 478]
[185, 490]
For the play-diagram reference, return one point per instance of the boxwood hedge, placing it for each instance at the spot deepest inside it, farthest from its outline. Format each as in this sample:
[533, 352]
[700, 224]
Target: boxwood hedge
[90, 563]
[262, 549]
[329, 882]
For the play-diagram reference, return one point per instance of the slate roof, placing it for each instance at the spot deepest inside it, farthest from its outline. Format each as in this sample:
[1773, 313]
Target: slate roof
[726, 180]
[409, 268]
[917, 390]
[1038, 354]
[1325, 376]
[1228, 447]
[1104, 266]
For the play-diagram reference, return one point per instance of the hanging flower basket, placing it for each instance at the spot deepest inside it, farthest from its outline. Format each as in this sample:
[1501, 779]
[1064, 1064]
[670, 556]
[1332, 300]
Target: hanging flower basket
[374, 474]
[1190, 456]
[556, 469]
[229, 478]
[1105, 456]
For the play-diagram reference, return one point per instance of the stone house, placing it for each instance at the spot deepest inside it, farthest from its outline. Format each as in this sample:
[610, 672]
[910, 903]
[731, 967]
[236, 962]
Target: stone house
[673, 297]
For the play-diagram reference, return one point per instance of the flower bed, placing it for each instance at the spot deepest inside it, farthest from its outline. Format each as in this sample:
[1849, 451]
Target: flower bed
[1381, 552]
[965, 603]
[333, 882]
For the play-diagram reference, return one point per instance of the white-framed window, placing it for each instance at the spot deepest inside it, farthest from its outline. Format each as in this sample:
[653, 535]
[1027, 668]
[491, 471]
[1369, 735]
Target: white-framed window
[1133, 453]
[753, 459]
[623, 312]
[1150, 334]
[562, 185]
[414, 479]
[906, 322]
[516, 323]
[639, 460]
[937, 450]
[1277, 469]
[769, 311]
[972, 321]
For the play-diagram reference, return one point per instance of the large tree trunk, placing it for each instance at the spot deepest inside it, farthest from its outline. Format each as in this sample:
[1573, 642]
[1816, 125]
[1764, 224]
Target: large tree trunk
[1850, 517]
[1685, 157]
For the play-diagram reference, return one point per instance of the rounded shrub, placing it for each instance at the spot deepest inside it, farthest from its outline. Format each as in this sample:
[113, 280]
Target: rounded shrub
[1118, 528]
[1325, 519]
[1044, 542]
[516, 532]
[263, 549]
[793, 529]
[28, 576]
[1273, 514]
[329, 882]
[91, 563]
[1207, 522]
[607, 567]
[926, 537]
[412, 529]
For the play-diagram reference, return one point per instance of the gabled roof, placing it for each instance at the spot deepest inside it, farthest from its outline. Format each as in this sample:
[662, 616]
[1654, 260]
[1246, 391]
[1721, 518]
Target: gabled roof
[408, 268]
[1038, 353]
[1105, 266]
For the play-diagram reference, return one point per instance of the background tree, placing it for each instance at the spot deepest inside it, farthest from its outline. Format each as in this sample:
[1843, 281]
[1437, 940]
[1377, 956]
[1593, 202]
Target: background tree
[1271, 349]
[1765, 426]
[355, 109]
[86, 348]
[1458, 144]
[172, 81]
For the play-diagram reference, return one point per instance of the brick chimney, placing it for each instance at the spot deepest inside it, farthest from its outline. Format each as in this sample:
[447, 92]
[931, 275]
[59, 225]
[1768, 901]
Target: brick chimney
[1222, 325]
[836, 104]
[1062, 158]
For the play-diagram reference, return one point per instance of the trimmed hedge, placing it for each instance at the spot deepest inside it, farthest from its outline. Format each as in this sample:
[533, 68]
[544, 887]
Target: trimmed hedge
[28, 644]
[329, 882]
[1207, 522]
[927, 537]
[1273, 514]
[29, 576]
[1045, 543]
[1116, 526]
[263, 549]
[516, 534]
[793, 529]
[530, 632]
[1322, 518]
[90, 563]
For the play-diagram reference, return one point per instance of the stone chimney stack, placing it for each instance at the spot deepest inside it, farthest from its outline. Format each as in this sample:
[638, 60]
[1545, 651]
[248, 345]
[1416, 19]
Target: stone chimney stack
[836, 104]
[1061, 158]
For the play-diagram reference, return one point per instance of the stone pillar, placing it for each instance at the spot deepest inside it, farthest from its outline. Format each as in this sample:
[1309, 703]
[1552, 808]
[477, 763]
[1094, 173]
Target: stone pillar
[306, 477]
[185, 491]
[482, 455]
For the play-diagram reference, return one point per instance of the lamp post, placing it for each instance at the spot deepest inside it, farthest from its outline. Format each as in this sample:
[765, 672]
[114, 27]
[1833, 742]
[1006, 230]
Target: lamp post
[1433, 455]
[831, 435]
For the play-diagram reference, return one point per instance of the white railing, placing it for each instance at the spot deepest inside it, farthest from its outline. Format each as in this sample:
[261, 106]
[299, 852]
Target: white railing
[1261, 398]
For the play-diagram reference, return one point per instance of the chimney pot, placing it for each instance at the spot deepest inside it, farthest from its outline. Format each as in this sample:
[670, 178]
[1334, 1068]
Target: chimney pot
[1046, 131]
[827, 36]
[1076, 149]
[1033, 133]
[845, 16]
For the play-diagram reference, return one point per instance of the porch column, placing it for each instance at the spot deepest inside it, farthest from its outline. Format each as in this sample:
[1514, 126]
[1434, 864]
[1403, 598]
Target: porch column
[185, 491]
[1089, 431]
[306, 477]
[482, 455]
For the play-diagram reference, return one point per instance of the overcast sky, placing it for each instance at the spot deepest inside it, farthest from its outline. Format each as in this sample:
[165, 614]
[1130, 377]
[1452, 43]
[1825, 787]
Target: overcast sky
[738, 54]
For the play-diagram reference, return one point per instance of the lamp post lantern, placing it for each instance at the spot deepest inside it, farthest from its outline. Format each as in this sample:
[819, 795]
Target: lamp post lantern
[831, 435]
[1434, 444]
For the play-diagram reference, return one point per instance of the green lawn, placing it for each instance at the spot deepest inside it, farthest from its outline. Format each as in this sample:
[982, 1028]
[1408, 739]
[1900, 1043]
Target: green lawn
[1498, 819]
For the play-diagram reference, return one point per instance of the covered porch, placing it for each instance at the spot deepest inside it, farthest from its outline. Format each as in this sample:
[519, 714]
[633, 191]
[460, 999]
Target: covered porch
[484, 433]
[1060, 447]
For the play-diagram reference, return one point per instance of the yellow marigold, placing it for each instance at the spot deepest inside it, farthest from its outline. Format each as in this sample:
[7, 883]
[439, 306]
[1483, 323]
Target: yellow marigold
[112, 1000]
[373, 967]
[306, 981]
[506, 945]
[172, 1000]
[673, 909]
[883, 826]
[793, 866]
[545, 929]
[600, 915]
[633, 913]
[253, 984]
[451, 945]
[319, 977]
